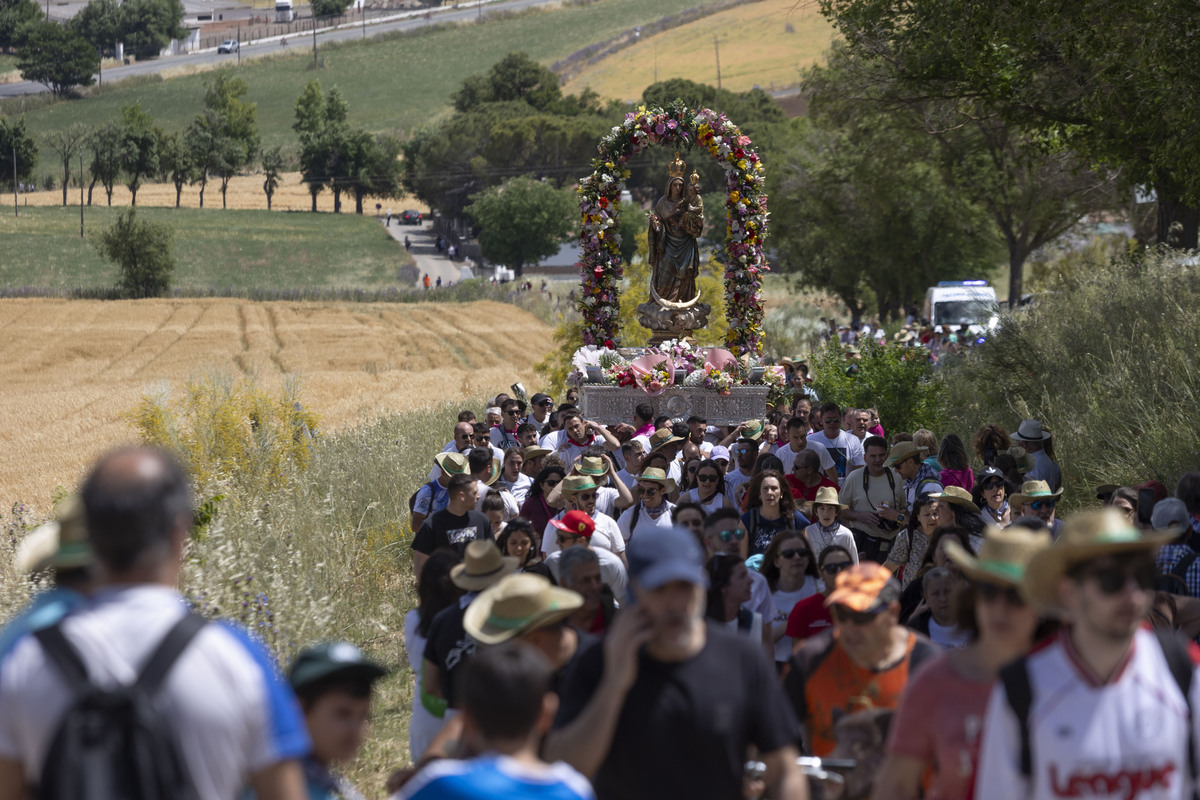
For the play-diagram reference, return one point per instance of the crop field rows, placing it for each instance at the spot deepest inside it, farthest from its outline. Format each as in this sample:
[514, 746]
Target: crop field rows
[70, 371]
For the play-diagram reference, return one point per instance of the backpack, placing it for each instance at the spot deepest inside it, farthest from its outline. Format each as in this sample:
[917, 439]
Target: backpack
[1015, 678]
[116, 742]
[1175, 581]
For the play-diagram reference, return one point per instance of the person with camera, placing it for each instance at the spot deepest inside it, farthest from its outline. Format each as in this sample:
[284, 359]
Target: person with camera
[876, 504]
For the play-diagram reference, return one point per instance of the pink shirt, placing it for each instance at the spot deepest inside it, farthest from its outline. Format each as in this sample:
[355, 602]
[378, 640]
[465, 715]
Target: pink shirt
[958, 477]
[939, 722]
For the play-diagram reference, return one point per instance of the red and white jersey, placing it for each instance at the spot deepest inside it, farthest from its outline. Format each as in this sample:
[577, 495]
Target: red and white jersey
[1124, 739]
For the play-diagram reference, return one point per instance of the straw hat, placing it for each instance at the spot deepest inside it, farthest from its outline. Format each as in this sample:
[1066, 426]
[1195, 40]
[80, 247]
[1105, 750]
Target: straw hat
[793, 361]
[1030, 430]
[958, 496]
[1033, 490]
[452, 463]
[494, 475]
[595, 467]
[530, 453]
[658, 476]
[1003, 556]
[573, 484]
[752, 429]
[1022, 457]
[828, 496]
[482, 566]
[61, 543]
[516, 605]
[663, 437]
[902, 451]
[1085, 536]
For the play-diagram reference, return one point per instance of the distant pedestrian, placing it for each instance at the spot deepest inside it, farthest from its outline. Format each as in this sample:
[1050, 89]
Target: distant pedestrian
[439, 282]
[426, 281]
[389, 216]
[450, 251]
[407, 243]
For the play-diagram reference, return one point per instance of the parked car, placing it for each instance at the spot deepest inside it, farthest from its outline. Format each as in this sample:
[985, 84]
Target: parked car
[411, 217]
[228, 46]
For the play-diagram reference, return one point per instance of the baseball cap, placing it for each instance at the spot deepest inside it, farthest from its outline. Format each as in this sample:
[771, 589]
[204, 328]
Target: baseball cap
[340, 660]
[1170, 514]
[540, 398]
[668, 554]
[865, 587]
[576, 522]
[718, 453]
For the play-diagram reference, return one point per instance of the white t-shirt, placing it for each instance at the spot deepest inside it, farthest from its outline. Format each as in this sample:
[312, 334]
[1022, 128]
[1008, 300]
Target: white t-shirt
[607, 536]
[846, 451]
[423, 726]
[732, 481]
[518, 488]
[784, 603]
[645, 522]
[511, 507]
[626, 478]
[788, 456]
[224, 697]
[550, 440]
[715, 502]
[760, 601]
[612, 571]
[820, 540]
[949, 638]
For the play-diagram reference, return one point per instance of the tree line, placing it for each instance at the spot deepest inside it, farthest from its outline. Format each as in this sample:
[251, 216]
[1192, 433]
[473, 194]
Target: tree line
[221, 142]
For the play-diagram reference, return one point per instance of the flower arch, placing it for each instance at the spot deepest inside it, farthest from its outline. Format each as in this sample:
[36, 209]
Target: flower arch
[746, 214]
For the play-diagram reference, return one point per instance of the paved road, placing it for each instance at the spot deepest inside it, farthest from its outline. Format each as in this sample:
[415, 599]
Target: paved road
[424, 252]
[411, 20]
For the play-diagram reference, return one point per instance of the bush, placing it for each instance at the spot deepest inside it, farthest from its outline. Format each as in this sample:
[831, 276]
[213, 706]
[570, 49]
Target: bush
[142, 253]
[1106, 360]
[896, 380]
[791, 330]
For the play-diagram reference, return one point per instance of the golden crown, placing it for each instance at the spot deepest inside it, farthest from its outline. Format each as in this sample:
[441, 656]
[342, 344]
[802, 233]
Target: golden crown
[677, 168]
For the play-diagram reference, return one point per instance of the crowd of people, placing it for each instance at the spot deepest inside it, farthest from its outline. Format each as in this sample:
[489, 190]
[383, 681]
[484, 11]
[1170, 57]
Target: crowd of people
[651, 608]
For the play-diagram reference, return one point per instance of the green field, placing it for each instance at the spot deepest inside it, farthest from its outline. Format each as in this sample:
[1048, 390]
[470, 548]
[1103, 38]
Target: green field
[393, 84]
[220, 250]
[8, 63]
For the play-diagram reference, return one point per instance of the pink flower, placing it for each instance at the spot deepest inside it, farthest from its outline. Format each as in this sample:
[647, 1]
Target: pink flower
[660, 129]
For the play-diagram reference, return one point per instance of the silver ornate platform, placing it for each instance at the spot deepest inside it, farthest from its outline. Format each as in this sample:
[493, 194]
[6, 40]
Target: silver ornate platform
[611, 404]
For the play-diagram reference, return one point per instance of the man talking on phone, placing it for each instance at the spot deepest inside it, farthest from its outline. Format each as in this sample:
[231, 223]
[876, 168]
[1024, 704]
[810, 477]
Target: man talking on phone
[668, 705]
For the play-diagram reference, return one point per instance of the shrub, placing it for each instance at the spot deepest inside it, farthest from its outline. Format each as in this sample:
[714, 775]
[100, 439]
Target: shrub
[142, 253]
[1106, 360]
[897, 381]
[791, 330]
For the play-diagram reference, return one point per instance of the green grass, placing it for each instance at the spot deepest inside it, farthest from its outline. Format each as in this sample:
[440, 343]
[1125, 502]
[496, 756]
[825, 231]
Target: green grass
[215, 249]
[393, 83]
[8, 63]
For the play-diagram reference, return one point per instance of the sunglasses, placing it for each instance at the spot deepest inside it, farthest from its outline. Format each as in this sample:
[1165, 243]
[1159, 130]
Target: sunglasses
[1038, 505]
[651, 491]
[795, 553]
[1112, 578]
[586, 496]
[512, 412]
[831, 421]
[564, 538]
[989, 485]
[550, 484]
[836, 567]
[692, 470]
[991, 592]
[735, 533]
[707, 478]
[847, 616]
[546, 403]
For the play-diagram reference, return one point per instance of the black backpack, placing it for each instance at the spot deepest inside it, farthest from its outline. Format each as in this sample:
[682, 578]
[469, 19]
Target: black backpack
[1175, 581]
[115, 743]
[1019, 692]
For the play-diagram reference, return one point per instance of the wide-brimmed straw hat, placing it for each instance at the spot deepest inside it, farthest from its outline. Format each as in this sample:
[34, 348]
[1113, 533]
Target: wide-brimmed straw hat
[532, 452]
[1085, 536]
[958, 496]
[828, 496]
[1033, 490]
[494, 475]
[663, 437]
[1003, 556]
[573, 484]
[658, 476]
[61, 543]
[902, 451]
[482, 566]
[452, 463]
[517, 604]
[1030, 430]
[1024, 461]
[793, 361]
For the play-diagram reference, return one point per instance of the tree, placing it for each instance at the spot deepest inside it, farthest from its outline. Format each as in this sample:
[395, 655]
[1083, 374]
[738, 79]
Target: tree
[67, 143]
[209, 149]
[14, 137]
[105, 146]
[147, 26]
[142, 252]
[100, 23]
[321, 123]
[1115, 83]
[522, 221]
[272, 165]
[329, 8]
[14, 16]
[224, 136]
[174, 161]
[57, 57]
[514, 77]
[139, 148]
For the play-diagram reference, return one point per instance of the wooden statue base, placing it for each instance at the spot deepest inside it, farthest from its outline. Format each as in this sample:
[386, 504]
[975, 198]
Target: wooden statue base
[612, 404]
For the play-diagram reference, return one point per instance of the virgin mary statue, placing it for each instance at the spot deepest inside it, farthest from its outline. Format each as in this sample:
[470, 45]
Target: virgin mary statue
[677, 223]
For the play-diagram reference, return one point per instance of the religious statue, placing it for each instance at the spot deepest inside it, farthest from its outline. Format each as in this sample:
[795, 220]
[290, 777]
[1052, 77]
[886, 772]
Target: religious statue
[676, 224]
[674, 310]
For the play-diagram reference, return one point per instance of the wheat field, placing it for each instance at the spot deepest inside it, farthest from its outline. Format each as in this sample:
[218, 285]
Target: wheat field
[70, 371]
[764, 44]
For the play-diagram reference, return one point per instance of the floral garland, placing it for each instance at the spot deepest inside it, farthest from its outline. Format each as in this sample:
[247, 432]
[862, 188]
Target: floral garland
[605, 366]
[746, 206]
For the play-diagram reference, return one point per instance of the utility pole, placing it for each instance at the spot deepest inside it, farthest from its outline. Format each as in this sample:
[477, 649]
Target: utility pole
[100, 82]
[15, 211]
[81, 193]
[363, 10]
[656, 62]
[239, 43]
[314, 41]
[717, 48]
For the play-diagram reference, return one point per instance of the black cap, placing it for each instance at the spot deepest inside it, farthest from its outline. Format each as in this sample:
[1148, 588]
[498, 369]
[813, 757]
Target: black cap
[333, 659]
[540, 398]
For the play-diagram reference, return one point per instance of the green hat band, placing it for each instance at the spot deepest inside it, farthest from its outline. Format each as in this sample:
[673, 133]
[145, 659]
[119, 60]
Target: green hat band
[512, 624]
[1002, 569]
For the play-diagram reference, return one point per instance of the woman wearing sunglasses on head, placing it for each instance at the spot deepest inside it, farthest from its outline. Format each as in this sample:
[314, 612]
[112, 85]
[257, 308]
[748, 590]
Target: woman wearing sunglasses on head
[708, 488]
[811, 616]
[939, 719]
[791, 572]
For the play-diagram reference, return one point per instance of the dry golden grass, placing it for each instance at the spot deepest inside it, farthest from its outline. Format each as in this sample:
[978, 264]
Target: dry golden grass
[71, 370]
[756, 50]
[244, 192]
